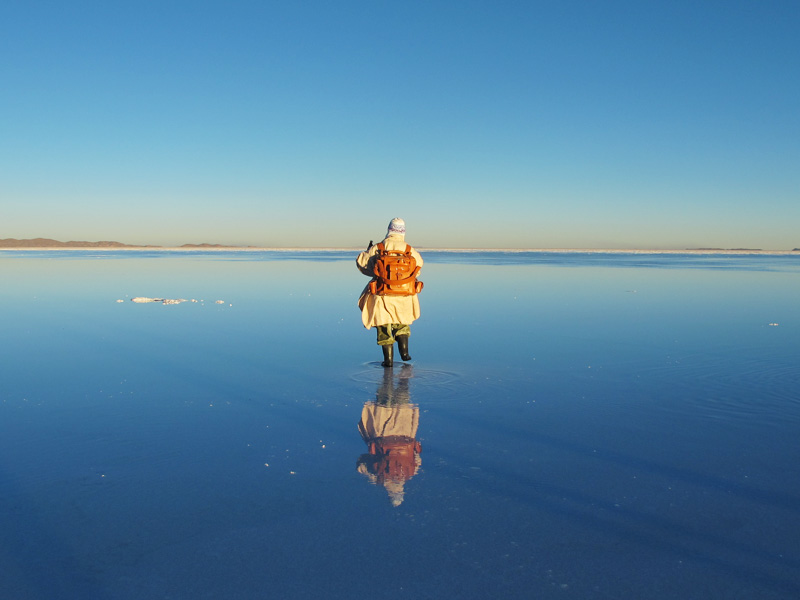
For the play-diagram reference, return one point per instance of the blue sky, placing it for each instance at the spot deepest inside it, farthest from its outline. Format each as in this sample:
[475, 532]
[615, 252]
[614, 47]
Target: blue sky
[483, 124]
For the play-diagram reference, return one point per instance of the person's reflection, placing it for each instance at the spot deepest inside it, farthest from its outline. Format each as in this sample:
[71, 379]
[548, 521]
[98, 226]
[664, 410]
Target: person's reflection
[389, 428]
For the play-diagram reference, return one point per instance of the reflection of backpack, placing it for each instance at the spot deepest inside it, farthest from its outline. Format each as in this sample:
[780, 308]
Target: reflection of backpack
[395, 273]
[396, 458]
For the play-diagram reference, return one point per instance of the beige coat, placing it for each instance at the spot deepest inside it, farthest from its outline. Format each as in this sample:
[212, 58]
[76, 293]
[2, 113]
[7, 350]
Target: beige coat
[384, 310]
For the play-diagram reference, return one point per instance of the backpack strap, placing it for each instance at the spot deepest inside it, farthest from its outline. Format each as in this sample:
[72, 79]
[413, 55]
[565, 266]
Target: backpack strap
[382, 248]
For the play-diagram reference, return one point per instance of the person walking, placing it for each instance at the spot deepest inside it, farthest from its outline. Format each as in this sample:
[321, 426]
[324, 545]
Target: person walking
[389, 302]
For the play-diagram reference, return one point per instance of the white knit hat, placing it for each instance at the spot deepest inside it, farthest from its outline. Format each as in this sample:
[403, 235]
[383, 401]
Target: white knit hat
[397, 225]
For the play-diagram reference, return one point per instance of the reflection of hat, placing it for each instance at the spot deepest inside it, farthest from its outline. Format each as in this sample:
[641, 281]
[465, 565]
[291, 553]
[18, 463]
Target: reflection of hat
[397, 225]
[395, 489]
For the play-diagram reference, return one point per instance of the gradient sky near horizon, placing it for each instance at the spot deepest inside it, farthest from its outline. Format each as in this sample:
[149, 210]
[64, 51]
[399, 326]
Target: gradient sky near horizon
[532, 124]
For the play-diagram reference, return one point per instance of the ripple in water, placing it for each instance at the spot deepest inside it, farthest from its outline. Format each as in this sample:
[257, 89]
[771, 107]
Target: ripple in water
[375, 373]
[424, 385]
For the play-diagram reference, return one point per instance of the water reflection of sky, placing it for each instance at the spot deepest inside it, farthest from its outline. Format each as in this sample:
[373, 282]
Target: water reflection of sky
[592, 427]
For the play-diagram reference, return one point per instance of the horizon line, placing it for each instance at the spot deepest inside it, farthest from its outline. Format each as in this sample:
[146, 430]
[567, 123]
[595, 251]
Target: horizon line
[52, 244]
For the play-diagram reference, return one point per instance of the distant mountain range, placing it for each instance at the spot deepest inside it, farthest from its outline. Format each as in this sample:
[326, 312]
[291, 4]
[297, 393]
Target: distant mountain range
[48, 243]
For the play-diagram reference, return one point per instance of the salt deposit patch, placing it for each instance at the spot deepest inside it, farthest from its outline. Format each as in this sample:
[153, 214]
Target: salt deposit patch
[143, 300]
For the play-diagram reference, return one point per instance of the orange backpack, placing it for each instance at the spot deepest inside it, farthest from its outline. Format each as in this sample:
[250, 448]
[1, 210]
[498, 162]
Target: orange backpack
[395, 273]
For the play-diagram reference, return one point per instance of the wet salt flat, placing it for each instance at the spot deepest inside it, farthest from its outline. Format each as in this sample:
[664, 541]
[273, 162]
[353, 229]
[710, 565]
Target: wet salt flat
[571, 426]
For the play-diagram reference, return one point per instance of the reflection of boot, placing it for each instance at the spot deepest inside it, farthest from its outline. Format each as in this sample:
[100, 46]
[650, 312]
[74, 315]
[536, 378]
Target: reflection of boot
[402, 346]
[388, 355]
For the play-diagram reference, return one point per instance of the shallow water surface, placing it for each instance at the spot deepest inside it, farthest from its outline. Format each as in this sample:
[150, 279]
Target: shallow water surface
[570, 426]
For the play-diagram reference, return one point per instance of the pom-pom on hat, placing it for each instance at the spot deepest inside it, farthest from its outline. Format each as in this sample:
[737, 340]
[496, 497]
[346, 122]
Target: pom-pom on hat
[397, 225]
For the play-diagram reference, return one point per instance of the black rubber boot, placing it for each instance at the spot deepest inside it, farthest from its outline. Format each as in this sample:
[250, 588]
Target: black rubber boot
[402, 346]
[388, 355]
